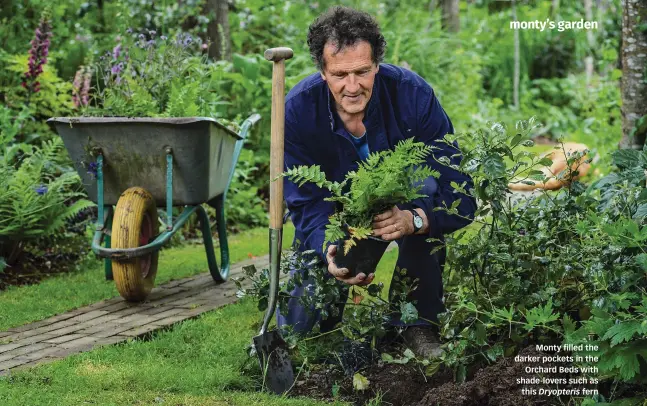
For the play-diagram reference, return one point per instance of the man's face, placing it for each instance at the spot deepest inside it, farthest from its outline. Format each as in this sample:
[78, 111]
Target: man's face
[350, 74]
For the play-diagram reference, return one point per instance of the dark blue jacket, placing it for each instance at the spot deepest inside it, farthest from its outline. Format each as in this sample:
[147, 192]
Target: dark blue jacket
[402, 105]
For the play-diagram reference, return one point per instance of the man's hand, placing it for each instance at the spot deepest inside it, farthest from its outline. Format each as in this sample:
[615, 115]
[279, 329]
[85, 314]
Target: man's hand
[342, 274]
[395, 223]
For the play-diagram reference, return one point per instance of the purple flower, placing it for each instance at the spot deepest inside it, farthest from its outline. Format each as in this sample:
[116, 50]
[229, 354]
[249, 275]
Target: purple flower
[92, 169]
[41, 190]
[38, 53]
[129, 31]
[116, 51]
[81, 86]
[163, 37]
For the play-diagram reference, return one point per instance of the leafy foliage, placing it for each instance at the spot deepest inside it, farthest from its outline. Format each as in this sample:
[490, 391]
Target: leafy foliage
[384, 179]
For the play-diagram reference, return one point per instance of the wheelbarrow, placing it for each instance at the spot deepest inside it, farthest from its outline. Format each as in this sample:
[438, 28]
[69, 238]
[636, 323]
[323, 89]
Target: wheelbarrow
[142, 164]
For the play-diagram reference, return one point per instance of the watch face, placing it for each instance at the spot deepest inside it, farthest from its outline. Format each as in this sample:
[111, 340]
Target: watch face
[417, 221]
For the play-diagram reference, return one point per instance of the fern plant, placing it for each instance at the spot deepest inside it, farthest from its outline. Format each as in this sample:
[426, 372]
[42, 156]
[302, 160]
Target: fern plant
[35, 198]
[384, 179]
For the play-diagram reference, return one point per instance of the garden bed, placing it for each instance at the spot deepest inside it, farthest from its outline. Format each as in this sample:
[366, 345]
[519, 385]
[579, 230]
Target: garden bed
[406, 385]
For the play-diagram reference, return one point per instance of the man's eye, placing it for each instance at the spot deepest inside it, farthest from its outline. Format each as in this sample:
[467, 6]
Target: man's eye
[339, 75]
[363, 73]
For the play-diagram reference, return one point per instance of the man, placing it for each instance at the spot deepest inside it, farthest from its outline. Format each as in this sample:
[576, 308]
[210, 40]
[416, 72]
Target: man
[356, 105]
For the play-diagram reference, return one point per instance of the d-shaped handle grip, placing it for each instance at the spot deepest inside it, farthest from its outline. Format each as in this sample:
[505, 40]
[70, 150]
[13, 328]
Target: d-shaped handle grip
[278, 54]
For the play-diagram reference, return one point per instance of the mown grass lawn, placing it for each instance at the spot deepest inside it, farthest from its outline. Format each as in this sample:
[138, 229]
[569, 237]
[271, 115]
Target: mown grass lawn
[197, 362]
[25, 304]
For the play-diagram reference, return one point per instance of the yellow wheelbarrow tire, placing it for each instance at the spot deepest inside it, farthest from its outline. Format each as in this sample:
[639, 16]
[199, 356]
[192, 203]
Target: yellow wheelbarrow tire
[134, 224]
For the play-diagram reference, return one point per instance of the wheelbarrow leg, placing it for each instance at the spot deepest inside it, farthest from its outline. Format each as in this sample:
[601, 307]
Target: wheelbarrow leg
[107, 262]
[218, 204]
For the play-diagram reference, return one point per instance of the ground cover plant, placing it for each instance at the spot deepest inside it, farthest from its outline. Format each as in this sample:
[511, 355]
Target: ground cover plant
[579, 251]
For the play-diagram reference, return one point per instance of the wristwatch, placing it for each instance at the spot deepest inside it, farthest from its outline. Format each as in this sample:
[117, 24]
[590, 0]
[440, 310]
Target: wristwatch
[417, 221]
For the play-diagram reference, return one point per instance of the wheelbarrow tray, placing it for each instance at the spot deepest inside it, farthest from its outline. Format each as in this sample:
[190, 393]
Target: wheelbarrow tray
[134, 154]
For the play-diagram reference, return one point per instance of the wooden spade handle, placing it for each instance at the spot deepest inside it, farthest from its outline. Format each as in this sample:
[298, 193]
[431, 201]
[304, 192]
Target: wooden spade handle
[278, 54]
[278, 57]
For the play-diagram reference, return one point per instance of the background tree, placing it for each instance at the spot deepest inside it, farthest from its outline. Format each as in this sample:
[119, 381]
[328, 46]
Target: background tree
[218, 29]
[634, 63]
[450, 16]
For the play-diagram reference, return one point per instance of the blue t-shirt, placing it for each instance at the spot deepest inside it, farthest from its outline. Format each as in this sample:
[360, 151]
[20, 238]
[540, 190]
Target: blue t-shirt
[361, 145]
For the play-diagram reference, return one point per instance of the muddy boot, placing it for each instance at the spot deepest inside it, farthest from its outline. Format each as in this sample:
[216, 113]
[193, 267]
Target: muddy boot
[423, 341]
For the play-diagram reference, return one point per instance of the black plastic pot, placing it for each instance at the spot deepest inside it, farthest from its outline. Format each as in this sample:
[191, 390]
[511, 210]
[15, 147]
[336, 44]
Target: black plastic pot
[362, 258]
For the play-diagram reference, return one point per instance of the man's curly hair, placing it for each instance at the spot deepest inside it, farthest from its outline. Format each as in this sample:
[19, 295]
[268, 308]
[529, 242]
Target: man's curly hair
[343, 26]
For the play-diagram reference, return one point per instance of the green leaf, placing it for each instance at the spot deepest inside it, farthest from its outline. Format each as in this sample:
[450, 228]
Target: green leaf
[545, 161]
[625, 158]
[641, 212]
[494, 167]
[568, 323]
[622, 332]
[409, 354]
[641, 259]
[360, 382]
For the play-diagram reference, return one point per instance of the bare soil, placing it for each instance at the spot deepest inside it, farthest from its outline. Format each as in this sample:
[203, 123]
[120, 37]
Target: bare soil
[406, 385]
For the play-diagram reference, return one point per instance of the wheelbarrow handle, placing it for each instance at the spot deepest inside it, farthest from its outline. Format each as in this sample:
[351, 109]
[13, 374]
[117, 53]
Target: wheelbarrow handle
[278, 57]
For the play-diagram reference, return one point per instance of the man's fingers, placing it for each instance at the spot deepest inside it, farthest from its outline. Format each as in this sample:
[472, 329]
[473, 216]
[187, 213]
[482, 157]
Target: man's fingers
[360, 279]
[383, 216]
[368, 280]
[337, 272]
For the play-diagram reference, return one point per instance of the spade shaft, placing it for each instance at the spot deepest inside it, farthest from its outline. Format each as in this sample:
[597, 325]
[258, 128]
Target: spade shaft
[271, 348]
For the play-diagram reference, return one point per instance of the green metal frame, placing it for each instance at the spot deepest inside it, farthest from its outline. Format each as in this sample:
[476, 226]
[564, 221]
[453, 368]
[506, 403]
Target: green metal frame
[103, 233]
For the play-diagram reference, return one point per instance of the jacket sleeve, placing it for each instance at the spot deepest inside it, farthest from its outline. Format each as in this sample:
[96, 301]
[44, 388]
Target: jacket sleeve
[306, 203]
[433, 124]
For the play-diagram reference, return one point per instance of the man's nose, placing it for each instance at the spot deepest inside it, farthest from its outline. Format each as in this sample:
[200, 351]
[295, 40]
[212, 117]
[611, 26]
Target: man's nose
[352, 84]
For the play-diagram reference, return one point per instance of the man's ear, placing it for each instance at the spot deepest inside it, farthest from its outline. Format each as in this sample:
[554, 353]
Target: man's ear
[322, 75]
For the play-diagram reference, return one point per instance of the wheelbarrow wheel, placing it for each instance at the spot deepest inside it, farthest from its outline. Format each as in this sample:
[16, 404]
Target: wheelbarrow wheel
[134, 224]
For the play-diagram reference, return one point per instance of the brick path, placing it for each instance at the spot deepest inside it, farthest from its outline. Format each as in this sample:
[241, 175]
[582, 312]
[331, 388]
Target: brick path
[115, 320]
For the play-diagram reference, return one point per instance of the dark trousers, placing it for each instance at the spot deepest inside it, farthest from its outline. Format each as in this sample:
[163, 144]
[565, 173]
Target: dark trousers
[414, 257]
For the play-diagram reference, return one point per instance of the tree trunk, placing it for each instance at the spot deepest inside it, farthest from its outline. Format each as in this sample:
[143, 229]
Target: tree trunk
[517, 60]
[218, 29]
[634, 63]
[588, 60]
[450, 18]
[554, 6]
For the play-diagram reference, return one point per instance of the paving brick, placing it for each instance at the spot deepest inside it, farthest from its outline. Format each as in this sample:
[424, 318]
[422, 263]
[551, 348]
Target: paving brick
[8, 347]
[79, 342]
[109, 341]
[45, 329]
[139, 331]
[169, 321]
[18, 352]
[12, 363]
[137, 318]
[63, 339]
[104, 303]
[5, 333]
[127, 312]
[118, 306]
[176, 296]
[113, 329]
[42, 353]
[162, 293]
[69, 329]
[168, 313]
[89, 315]
[30, 326]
